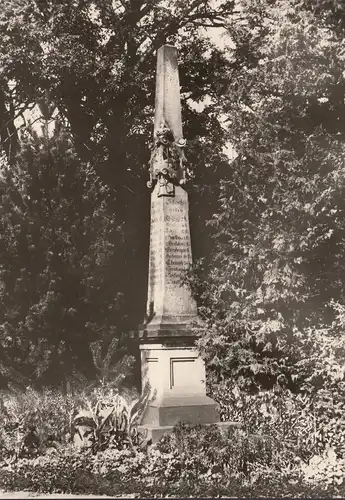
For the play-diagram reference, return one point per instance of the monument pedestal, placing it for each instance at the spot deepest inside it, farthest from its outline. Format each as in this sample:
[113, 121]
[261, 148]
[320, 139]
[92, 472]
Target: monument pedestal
[177, 378]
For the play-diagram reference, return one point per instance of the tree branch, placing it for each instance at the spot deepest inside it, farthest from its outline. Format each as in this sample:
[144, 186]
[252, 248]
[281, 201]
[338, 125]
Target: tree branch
[210, 25]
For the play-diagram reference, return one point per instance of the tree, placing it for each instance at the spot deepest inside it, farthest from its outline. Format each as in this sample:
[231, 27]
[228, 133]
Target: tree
[96, 60]
[276, 273]
[61, 254]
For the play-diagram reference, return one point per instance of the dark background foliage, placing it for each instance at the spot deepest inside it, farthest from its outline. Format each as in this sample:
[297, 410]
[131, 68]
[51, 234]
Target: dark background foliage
[271, 289]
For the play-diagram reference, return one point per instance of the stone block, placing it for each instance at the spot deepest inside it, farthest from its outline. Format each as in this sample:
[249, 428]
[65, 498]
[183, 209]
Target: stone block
[170, 305]
[189, 409]
[154, 433]
[172, 371]
[176, 376]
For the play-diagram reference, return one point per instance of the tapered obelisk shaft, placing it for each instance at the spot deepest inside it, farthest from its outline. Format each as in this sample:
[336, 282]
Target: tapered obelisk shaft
[170, 306]
[168, 101]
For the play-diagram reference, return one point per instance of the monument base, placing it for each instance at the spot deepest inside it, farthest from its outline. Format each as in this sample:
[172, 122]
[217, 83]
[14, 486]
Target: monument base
[176, 376]
[154, 433]
[190, 409]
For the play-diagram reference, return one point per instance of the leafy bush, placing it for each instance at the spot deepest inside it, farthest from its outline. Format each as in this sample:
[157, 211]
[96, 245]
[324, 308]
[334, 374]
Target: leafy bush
[111, 422]
[207, 455]
[64, 471]
[326, 468]
[197, 453]
[305, 432]
[305, 423]
[288, 442]
[183, 464]
[32, 420]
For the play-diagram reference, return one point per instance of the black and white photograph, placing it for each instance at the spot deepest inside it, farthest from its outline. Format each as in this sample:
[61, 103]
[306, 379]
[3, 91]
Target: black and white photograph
[172, 249]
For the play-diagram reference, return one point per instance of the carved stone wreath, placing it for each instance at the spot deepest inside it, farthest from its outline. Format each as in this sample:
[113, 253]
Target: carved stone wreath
[167, 162]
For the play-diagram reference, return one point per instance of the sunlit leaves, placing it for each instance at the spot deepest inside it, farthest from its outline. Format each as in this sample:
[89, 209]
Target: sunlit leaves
[279, 230]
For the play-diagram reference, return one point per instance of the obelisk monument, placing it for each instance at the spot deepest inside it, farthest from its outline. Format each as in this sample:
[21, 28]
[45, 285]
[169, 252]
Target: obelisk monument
[170, 364]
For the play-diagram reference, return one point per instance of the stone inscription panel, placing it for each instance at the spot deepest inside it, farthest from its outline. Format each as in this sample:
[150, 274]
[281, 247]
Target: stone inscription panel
[177, 243]
[178, 255]
[170, 255]
[157, 245]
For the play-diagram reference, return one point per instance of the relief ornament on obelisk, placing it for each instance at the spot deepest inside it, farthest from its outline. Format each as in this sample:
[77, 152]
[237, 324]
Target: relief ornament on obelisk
[170, 363]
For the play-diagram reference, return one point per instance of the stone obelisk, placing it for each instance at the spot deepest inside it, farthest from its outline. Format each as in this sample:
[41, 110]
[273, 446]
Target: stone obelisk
[170, 363]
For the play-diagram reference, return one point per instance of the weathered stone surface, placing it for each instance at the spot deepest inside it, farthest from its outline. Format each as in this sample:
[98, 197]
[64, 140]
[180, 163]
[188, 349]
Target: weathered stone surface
[170, 305]
[177, 378]
[173, 371]
[186, 409]
[168, 102]
[156, 432]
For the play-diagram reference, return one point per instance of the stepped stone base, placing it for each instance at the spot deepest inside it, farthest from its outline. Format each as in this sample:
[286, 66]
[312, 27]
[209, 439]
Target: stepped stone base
[176, 376]
[170, 410]
[154, 433]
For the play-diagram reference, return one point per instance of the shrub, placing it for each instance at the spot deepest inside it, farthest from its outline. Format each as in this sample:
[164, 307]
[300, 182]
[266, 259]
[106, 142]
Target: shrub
[289, 443]
[172, 467]
[325, 469]
[30, 421]
[66, 471]
[304, 423]
[194, 453]
[193, 461]
[306, 432]
[111, 422]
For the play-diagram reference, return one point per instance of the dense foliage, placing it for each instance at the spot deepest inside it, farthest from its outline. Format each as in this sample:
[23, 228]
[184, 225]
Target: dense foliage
[272, 288]
[277, 449]
[73, 242]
